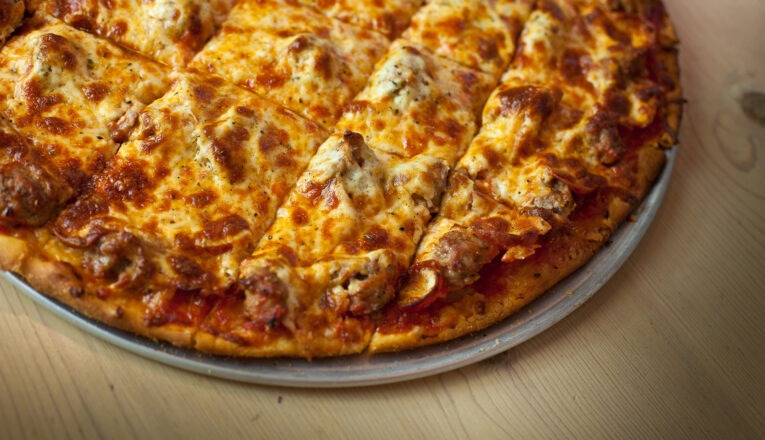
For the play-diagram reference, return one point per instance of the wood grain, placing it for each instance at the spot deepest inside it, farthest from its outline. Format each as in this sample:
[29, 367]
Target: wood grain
[672, 347]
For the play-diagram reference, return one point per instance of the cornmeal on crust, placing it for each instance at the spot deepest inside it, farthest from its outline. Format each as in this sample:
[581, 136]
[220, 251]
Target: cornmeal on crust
[320, 178]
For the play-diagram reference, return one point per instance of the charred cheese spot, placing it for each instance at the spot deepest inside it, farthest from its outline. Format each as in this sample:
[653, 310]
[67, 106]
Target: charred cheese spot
[224, 227]
[77, 216]
[536, 100]
[300, 216]
[202, 199]
[95, 92]
[38, 102]
[189, 274]
[55, 50]
[127, 180]
[227, 151]
[273, 137]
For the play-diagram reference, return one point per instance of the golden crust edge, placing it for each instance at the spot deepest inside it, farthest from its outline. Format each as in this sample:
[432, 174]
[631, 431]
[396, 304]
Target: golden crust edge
[57, 281]
[210, 343]
[213, 344]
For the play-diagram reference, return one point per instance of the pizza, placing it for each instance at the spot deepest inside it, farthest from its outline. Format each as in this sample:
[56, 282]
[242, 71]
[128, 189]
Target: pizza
[321, 178]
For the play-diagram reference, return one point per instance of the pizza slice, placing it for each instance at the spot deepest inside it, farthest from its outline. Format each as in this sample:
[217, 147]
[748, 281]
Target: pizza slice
[170, 31]
[565, 154]
[160, 234]
[416, 103]
[386, 17]
[478, 33]
[333, 257]
[75, 97]
[293, 55]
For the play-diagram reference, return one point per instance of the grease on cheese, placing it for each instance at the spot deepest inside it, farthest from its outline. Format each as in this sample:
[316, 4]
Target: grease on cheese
[170, 31]
[293, 55]
[387, 17]
[477, 33]
[75, 96]
[191, 192]
[416, 103]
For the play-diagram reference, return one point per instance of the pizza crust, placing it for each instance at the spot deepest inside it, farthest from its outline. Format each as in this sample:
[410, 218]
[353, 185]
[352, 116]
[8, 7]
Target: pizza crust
[58, 281]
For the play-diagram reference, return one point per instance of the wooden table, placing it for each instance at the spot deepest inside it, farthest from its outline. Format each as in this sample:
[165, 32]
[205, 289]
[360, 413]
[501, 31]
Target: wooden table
[673, 346]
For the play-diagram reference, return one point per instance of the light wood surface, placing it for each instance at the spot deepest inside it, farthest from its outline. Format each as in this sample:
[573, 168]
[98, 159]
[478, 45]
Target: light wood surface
[672, 347]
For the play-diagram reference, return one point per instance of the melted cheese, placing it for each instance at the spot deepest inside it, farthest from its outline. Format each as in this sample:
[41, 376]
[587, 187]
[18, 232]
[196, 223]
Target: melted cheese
[387, 17]
[293, 55]
[351, 225]
[74, 95]
[170, 31]
[416, 103]
[477, 33]
[195, 186]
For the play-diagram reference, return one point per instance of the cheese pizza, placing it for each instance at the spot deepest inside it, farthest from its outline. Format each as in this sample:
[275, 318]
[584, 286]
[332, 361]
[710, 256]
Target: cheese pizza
[305, 179]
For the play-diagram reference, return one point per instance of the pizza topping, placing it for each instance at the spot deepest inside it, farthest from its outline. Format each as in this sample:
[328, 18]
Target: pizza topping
[265, 299]
[55, 92]
[29, 195]
[462, 254]
[356, 214]
[171, 31]
[294, 55]
[416, 104]
[362, 286]
[541, 149]
[388, 18]
[479, 33]
[119, 258]
[423, 286]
